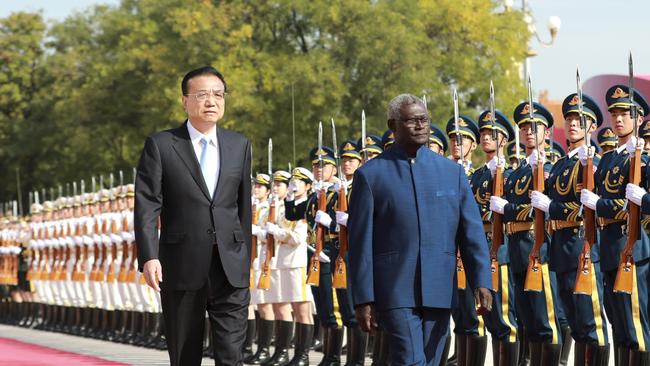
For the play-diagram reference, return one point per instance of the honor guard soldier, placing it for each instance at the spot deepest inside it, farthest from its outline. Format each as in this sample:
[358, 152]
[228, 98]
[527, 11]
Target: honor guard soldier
[627, 312]
[464, 314]
[374, 146]
[568, 249]
[644, 133]
[536, 307]
[468, 130]
[555, 153]
[437, 140]
[511, 154]
[261, 190]
[502, 320]
[324, 296]
[351, 160]
[387, 139]
[607, 140]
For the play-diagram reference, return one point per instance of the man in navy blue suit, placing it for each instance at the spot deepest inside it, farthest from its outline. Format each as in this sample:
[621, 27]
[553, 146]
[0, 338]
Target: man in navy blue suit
[410, 211]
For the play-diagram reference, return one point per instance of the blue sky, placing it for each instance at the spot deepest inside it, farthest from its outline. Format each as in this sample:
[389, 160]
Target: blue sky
[596, 34]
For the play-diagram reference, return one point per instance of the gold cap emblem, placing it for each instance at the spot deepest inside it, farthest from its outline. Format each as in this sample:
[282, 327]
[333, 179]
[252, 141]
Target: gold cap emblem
[348, 146]
[608, 133]
[619, 93]
[526, 110]
[488, 117]
[574, 100]
[369, 141]
[462, 123]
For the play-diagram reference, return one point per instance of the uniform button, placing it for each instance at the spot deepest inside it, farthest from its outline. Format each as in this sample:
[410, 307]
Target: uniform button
[210, 231]
[212, 207]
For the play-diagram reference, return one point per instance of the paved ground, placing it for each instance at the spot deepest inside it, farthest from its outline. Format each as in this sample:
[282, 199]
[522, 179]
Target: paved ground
[125, 353]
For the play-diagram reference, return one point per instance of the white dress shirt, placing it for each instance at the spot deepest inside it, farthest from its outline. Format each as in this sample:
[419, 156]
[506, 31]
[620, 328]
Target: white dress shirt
[212, 158]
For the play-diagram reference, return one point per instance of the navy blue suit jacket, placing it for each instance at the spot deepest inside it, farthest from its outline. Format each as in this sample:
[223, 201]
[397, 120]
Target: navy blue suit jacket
[407, 218]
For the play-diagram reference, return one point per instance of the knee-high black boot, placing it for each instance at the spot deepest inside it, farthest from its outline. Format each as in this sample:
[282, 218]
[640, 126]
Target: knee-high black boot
[461, 350]
[283, 336]
[334, 344]
[535, 350]
[476, 350]
[304, 334]
[251, 328]
[508, 353]
[357, 343]
[595, 355]
[566, 345]
[639, 358]
[551, 354]
[264, 335]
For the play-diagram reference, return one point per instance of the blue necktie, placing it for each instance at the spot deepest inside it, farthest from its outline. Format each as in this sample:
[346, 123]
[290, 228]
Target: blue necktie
[209, 181]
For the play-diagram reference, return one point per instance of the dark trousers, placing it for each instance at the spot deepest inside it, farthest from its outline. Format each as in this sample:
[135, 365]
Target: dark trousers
[327, 306]
[416, 335]
[502, 320]
[538, 310]
[184, 315]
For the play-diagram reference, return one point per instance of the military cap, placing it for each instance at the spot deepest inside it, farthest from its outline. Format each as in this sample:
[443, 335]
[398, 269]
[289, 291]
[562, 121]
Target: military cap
[501, 123]
[115, 193]
[282, 176]
[540, 114]
[387, 139]
[466, 125]
[589, 107]
[130, 190]
[48, 206]
[325, 152]
[36, 208]
[121, 191]
[69, 202]
[348, 149]
[303, 174]
[644, 129]
[77, 201]
[373, 144]
[607, 137]
[438, 137]
[263, 179]
[618, 96]
[104, 195]
[557, 150]
[511, 150]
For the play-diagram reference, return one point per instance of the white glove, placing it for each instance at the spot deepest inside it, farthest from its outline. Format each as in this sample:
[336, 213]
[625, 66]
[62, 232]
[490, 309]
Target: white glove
[536, 158]
[323, 258]
[584, 153]
[342, 218]
[276, 231]
[540, 201]
[589, 198]
[634, 193]
[633, 143]
[317, 186]
[261, 235]
[291, 190]
[256, 230]
[337, 185]
[497, 204]
[496, 162]
[323, 218]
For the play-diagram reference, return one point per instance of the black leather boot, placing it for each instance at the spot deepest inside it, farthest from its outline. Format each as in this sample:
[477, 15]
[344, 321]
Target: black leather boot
[623, 356]
[551, 354]
[595, 355]
[382, 354]
[566, 345]
[453, 360]
[476, 350]
[264, 335]
[333, 345]
[524, 348]
[247, 351]
[639, 358]
[317, 339]
[283, 337]
[304, 334]
[461, 350]
[357, 344]
[535, 351]
[579, 354]
[508, 353]
[445, 352]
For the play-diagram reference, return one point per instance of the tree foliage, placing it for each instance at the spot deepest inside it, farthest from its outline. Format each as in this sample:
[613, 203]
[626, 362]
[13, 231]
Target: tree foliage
[77, 97]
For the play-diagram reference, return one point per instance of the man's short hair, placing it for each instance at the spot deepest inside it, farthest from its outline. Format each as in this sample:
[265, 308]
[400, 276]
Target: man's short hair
[201, 71]
[393, 112]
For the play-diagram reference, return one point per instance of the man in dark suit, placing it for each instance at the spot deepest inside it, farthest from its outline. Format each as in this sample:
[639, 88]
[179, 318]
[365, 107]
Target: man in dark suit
[196, 178]
[410, 211]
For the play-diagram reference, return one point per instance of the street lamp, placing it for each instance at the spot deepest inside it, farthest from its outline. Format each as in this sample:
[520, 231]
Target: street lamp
[554, 24]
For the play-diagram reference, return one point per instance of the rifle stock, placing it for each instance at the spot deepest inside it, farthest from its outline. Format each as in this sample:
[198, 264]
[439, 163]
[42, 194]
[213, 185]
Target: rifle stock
[460, 272]
[313, 278]
[585, 271]
[264, 282]
[534, 281]
[339, 279]
[624, 282]
[497, 230]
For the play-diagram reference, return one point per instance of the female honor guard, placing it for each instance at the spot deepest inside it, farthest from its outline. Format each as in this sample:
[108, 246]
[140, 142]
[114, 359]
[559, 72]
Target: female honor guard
[561, 202]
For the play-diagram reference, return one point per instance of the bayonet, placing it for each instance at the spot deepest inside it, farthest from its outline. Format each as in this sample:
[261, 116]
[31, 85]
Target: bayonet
[531, 117]
[424, 101]
[93, 184]
[36, 200]
[74, 188]
[583, 122]
[270, 162]
[633, 111]
[121, 177]
[336, 152]
[495, 134]
[60, 191]
[111, 179]
[83, 186]
[459, 139]
[363, 135]
[318, 153]
[101, 182]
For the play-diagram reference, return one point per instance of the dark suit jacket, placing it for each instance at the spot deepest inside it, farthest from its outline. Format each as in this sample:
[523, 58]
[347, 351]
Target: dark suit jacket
[169, 184]
[407, 219]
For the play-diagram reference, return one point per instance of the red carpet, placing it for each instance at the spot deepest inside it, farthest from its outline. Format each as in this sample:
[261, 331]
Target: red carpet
[18, 353]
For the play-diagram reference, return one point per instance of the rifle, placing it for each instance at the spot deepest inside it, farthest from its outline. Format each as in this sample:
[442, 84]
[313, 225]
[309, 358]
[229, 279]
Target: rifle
[584, 284]
[497, 191]
[313, 278]
[339, 278]
[625, 276]
[534, 276]
[264, 282]
[461, 277]
[253, 245]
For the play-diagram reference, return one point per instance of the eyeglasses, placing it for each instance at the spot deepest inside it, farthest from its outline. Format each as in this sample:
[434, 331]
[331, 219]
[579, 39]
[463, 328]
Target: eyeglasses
[203, 95]
[411, 122]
